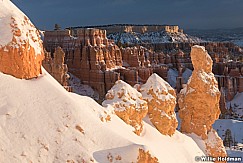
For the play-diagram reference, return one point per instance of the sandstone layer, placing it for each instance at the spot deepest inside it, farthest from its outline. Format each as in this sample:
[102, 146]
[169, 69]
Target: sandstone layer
[21, 52]
[128, 104]
[199, 102]
[161, 99]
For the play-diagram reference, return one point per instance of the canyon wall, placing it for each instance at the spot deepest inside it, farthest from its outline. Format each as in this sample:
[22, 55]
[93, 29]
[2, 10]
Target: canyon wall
[98, 62]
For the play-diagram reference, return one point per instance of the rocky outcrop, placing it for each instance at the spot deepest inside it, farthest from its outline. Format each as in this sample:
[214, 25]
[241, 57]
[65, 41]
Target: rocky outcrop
[145, 157]
[21, 51]
[128, 104]
[161, 99]
[56, 67]
[199, 102]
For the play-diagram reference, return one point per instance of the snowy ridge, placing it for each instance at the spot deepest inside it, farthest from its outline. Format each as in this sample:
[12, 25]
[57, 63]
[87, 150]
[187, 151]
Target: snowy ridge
[14, 24]
[152, 38]
[41, 121]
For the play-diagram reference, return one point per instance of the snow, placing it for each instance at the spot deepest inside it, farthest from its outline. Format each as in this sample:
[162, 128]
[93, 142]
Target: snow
[200, 142]
[39, 119]
[236, 128]
[171, 77]
[157, 85]
[12, 20]
[186, 75]
[237, 105]
[234, 152]
[82, 89]
[238, 42]
[173, 74]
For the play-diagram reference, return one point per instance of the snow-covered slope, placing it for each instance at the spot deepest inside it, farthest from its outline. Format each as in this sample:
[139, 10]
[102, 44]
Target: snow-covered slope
[40, 121]
[152, 38]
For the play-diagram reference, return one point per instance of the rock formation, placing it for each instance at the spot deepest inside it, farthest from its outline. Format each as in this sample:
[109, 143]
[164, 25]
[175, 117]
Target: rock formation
[56, 67]
[199, 102]
[90, 56]
[21, 51]
[145, 157]
[161, 99]
[98, 62]
[128, 104]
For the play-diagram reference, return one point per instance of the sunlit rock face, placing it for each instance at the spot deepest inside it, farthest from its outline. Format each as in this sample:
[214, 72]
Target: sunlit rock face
[128, 104]
[199, 102]
[21, 51]
[161, 99]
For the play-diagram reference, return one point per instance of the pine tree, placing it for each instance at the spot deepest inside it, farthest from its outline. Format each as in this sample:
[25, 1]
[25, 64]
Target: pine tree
[228, 141]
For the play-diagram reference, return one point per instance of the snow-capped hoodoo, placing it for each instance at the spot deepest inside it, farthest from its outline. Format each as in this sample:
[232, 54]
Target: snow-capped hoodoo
[21, 51]
[161, 99]
[128, 104]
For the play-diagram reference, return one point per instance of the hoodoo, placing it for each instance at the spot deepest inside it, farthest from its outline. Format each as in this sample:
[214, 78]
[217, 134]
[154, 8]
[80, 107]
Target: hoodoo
[128, 104]
[199, 102]
[21, 51]
[161, 99]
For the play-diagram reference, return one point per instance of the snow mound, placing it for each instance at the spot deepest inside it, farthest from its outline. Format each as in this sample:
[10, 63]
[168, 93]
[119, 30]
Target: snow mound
[15, 25]
[41, 122]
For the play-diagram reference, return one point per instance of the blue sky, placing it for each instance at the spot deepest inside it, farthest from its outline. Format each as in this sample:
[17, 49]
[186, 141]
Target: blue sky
[188, 14]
